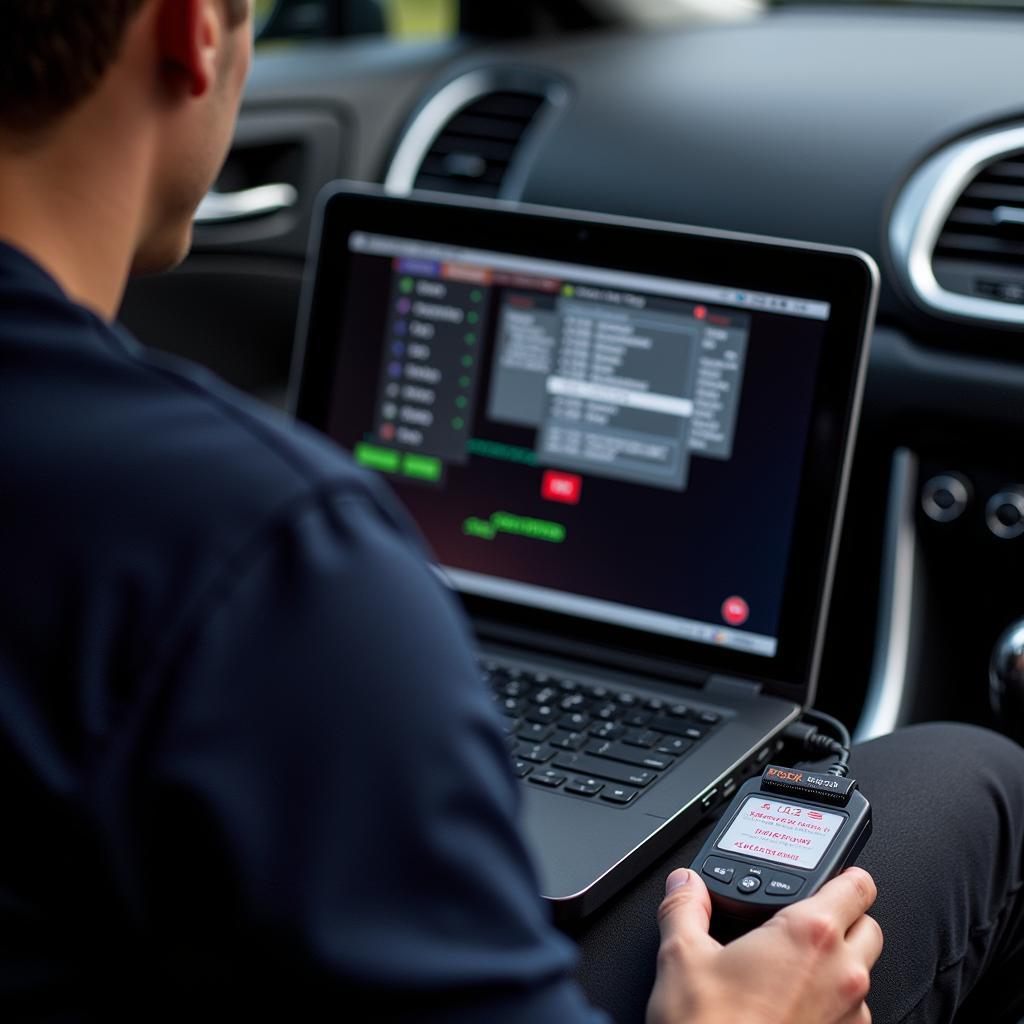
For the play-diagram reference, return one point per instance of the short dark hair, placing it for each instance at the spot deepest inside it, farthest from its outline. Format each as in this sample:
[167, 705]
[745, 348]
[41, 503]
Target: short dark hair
[53, 53]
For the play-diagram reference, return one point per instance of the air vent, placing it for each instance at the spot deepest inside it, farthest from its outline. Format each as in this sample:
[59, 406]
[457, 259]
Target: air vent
[980, 250]
[471, 136]
[958, 229]
[473, 152]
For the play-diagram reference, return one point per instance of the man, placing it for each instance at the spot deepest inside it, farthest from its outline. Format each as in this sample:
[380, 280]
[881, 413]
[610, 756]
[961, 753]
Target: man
[211, 624]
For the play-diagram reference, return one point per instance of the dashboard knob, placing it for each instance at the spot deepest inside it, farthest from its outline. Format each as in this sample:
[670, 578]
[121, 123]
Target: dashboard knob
[1005, 513]
[1006, 680]
[945, 497]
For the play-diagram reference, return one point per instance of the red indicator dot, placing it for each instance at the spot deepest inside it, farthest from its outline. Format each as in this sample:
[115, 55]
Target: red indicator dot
[735, 611]
[700, 312]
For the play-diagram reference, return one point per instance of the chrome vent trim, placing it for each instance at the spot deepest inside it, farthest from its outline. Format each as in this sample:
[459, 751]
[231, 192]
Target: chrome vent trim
[447, 103]
[921, 212]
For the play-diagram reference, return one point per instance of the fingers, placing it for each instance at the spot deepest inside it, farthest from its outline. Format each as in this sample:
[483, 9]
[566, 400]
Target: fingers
[685, 914]
[865, 940]
[862, 1015]
[846, 898]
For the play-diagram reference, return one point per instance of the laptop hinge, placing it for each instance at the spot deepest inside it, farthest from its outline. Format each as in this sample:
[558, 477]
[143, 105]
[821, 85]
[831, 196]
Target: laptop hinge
[724, 687]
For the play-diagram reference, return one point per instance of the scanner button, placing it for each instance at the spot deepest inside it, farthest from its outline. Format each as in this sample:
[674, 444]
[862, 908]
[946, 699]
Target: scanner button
[779, 884]
[749, 884]
[715, 867]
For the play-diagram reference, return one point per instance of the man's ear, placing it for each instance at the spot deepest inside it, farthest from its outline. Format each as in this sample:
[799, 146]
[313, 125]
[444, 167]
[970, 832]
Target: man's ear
[188, 35]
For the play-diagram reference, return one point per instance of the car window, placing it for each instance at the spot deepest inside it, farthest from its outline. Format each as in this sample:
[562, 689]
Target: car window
[278, 20]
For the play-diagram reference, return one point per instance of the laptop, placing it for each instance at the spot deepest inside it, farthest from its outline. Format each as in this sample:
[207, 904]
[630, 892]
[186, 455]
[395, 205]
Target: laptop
[627, 444]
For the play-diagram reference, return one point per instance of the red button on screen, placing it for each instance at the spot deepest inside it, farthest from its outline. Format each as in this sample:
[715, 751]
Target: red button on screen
[564, 487]
[735, 611]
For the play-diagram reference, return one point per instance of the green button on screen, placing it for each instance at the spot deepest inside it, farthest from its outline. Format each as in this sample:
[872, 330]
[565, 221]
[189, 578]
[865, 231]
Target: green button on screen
[422, 467]
[386, 460]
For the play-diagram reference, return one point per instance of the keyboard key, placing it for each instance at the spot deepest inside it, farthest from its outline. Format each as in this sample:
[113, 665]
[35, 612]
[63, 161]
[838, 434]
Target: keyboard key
[584, 764]
[513, 688]
[627, 700]
[512, 706]
[641, 737]
[547, 695]
[628, 755]
[585, 787]
[619, 794]
[538, 753]
[693, 733]
[674, 745]
[576, 722]
[548, 777]
[676, 726]
[655, 704]
[637, 718]
[509, 725]
[599, 692]
[574, 702]
[521, 768]
[607, 730]
[568, 686]
[545, 714]
[679, 711]
[709, 718]
[608, 711]
[535, 732]
[569, 740]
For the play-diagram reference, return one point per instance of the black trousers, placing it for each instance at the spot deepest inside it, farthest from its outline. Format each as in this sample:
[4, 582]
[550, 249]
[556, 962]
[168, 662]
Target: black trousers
[947, 855]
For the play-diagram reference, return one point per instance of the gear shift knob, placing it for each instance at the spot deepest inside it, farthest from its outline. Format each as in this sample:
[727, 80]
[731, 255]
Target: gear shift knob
[1006, 680]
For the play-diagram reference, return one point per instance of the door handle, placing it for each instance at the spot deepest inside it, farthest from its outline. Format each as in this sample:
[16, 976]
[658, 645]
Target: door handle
[262, 201]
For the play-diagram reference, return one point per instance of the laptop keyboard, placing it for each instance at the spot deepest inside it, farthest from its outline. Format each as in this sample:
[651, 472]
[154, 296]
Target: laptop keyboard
[591, 741]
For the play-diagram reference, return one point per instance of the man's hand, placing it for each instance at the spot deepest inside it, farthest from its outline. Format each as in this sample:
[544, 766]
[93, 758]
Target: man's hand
[809, 964]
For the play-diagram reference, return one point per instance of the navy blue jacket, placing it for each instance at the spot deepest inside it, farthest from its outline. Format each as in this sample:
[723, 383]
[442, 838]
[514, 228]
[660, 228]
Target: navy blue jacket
[245, 756]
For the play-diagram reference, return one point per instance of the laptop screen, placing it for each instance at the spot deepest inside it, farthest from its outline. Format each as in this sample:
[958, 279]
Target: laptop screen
[607, 444]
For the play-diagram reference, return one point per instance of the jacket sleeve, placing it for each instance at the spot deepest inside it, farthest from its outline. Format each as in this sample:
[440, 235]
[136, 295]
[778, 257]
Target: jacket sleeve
[324, 802]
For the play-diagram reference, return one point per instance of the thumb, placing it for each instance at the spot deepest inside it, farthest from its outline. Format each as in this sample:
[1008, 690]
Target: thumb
[685, 912]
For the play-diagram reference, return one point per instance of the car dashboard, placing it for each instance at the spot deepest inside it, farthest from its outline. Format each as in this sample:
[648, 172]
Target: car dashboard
[898, 132]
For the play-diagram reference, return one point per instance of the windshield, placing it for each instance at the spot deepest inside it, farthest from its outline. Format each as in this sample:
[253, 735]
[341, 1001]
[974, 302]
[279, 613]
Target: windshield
[672, 11]
[974, 4]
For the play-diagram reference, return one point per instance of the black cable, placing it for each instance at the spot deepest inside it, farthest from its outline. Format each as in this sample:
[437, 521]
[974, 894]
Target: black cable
[834, 723]
[818, 743]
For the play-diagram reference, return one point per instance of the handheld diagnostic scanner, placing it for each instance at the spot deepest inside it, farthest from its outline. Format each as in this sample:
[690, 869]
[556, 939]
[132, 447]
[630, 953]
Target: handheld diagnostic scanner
[781, 839]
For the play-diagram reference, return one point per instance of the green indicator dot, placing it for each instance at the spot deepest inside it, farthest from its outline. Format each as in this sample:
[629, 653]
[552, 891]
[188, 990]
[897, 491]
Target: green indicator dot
[467, 361]
[457, 423]
[568, 291]
[470, 339]
[476, 295]
[473, 318]
[464, 382]
[462, 401]
[406, 285]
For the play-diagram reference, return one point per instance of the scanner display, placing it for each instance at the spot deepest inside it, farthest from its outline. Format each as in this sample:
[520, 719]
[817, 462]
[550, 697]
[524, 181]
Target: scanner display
[783, 833]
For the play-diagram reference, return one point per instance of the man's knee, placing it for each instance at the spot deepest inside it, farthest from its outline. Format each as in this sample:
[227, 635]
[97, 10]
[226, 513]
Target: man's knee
[973, 777]
[954, 748]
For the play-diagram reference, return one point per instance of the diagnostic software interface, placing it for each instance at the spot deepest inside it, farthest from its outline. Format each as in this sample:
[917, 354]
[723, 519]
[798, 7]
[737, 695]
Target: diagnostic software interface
[619, 447]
